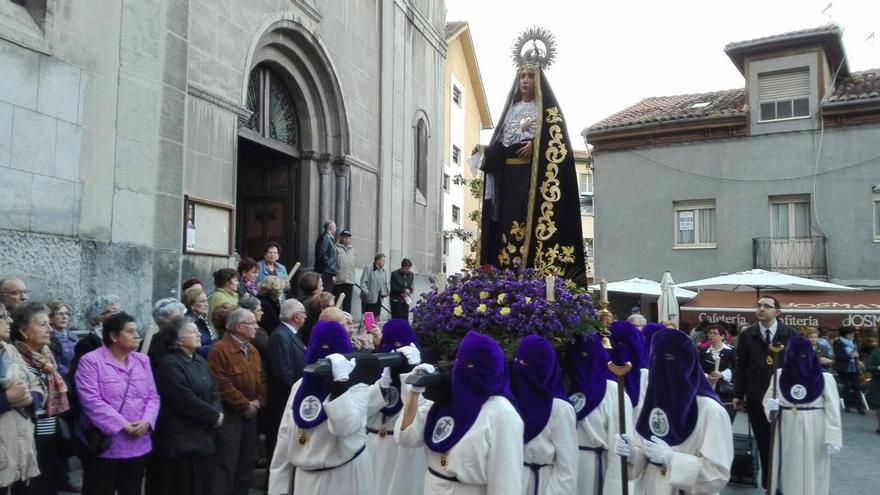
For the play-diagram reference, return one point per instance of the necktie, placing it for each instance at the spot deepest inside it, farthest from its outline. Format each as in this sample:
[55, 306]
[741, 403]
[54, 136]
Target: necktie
[767, 335]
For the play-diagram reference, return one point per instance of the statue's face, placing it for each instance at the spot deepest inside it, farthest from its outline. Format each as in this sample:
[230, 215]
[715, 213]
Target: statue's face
[527, 84]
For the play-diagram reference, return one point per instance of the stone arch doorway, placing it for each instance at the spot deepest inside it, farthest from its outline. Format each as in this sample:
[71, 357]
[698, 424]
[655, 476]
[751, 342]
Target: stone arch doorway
[288, 147]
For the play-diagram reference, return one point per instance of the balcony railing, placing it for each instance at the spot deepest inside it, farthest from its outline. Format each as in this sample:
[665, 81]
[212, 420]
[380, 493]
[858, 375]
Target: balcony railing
[804, 257]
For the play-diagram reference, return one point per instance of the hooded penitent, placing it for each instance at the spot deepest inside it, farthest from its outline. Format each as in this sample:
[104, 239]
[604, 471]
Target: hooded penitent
[627, 346]
[586, 365]
[531, 205]
[801, 380]
[396, 333]
[535, 380]
[478, 374]
[647, 334]
[675, 380]
[328, 337]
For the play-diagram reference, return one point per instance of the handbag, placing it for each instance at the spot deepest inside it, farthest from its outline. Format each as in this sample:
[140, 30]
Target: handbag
[96, 441]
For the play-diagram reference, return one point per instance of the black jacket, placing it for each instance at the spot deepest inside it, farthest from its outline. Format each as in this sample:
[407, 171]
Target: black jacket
[190, 406]
[326, 262]
[752, 376]
[399, 282]
[285, 362]
[728, 361]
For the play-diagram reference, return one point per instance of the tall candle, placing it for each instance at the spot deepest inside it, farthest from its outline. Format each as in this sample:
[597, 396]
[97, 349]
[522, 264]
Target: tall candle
[603, 291]
[550, 281]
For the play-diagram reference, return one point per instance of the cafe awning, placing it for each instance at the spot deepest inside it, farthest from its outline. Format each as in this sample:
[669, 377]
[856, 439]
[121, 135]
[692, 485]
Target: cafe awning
[813, 309]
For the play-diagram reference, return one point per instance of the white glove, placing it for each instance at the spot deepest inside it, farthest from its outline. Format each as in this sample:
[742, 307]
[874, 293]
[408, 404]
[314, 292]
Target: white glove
[832, 449]
[727, 375]
[771, 404]
[385, 381]
[341, 367]
[412, 354]
[658, 451]
[623, 445]
[425, 369]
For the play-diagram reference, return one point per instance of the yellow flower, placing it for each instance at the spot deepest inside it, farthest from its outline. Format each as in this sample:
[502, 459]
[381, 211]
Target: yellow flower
[484, 294]
[505, 311]
[458, 311]
[481, 308]
[528, 300]
[456, 299]
[501, 298]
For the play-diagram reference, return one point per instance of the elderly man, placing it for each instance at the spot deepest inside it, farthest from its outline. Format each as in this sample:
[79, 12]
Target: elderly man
[13, 292]
[285, 363]
[345, 273]
[326, 262]
[238, 370]
[374, 286]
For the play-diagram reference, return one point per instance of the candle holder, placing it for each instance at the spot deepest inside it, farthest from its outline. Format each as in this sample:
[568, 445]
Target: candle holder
[605, 318]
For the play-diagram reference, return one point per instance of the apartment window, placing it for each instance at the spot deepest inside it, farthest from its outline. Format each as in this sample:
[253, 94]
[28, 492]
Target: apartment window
[456, 95]
[877, 218]
[585, 187]
[456, 155]
[456, 215]
[695, 223]
[784, 95]
[420, 157]
[586, 205]
[790, 217]
[446, 181]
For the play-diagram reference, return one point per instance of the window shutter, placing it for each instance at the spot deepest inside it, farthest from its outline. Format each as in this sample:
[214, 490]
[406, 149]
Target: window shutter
[784, 85]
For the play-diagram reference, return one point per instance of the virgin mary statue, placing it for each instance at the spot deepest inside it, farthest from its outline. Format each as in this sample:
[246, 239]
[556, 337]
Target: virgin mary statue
[531, 206]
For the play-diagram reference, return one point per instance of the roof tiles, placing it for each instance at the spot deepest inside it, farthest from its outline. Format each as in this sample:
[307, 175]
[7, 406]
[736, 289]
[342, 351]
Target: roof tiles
[662, 109]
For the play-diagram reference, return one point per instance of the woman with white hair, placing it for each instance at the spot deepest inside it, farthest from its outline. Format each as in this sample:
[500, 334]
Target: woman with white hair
[165, 312]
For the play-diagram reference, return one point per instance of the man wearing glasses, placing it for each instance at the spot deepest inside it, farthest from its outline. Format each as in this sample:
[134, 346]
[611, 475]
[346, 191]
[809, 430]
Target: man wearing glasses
[13, 292]
[754, 368]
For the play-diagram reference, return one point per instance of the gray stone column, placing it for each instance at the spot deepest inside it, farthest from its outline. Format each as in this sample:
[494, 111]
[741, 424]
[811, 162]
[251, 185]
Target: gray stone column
[325, 190]
[341, 171]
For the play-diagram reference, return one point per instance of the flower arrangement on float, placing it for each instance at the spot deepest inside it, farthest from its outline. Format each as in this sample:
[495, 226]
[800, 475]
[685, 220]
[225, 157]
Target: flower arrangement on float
[506, 305]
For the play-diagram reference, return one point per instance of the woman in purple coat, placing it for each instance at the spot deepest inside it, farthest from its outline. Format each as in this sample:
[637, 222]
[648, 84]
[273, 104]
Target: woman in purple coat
[118, 397]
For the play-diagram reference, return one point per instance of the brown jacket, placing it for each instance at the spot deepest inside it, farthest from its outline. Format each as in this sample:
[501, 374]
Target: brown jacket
[240, 379]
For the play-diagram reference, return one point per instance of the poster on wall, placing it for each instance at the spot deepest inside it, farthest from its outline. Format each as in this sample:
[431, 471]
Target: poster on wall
[207, 227]
[685, 220]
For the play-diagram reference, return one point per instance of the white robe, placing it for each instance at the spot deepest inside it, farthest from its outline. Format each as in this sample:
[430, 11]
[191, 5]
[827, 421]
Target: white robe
[700, 464]
[556, 448]
[332, 443]
[598, 429]
[488, 459]
[806, 467]
[396, 470]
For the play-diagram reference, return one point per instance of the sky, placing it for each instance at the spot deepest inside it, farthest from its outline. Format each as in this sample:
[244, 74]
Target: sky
[612, 54]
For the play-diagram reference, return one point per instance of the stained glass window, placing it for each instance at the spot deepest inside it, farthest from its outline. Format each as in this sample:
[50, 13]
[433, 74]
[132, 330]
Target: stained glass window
[274, 114]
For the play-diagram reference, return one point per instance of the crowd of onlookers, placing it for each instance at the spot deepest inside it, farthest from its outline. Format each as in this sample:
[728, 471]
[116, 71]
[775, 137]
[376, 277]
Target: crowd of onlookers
[177, 406]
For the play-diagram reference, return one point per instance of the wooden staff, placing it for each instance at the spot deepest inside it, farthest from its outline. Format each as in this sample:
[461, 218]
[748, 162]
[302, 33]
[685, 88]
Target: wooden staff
[620, 372]
[775, 349]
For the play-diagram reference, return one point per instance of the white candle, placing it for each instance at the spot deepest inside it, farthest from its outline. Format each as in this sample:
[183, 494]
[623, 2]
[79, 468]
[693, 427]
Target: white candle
[292, 271]
[603, 291]
[550, 281]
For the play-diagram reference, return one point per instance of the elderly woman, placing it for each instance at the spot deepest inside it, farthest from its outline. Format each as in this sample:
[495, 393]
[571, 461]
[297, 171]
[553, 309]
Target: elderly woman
[182, 459]
[96, 313]
[225, 290]
[550, 450]
[220, 316]
[269, 265]
[63, 340]
[31, 334]
[20, 388]
[165, 312]
[247, 276]
[474, 438]
[683, 440]
[271, 291]
[261, 338]
[118, 398]
[310, 284]
[196, 302]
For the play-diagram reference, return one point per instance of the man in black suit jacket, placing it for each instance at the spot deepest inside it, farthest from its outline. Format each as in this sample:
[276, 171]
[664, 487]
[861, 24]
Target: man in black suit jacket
[285, 362]
[754, 370]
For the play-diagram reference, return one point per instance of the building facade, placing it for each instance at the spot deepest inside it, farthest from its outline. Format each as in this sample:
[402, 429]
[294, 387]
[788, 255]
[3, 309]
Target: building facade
[143, 142]
[583, 162]
[467, 113]
[783, 174]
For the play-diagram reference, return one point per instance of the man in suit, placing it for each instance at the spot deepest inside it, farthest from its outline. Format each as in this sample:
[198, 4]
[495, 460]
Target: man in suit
[754, 369]
[286, 360]
[326, 261]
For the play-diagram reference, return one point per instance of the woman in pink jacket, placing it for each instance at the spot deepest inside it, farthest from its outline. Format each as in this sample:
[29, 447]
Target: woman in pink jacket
[118, 399]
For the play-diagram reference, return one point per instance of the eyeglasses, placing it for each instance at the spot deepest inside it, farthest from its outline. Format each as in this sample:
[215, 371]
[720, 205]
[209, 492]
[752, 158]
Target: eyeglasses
[18, 292]
[765, 306]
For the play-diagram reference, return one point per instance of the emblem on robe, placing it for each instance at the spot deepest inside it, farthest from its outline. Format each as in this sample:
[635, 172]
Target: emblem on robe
[798, 392]
[578, 400]
[658, 422]
[442, 429]
[309, 408]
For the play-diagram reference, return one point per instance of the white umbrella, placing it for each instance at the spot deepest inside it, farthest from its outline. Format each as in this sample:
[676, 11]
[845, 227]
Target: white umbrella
[643, 286]
[667, 305]
[762, 279]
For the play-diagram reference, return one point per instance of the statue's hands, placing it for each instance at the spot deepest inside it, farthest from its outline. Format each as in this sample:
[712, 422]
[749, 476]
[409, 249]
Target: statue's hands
[525, 151]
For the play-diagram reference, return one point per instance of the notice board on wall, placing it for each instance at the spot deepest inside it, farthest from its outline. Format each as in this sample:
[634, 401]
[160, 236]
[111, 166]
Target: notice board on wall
[207, 227]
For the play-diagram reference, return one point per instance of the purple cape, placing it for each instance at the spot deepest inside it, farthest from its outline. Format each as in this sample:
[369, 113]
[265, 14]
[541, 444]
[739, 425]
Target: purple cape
[647, 334]
[478, 373]
[586, 365]
[627, 345]
[328, 337]
[396, 333]
[535, 380]
[801, 380]
[675, 380]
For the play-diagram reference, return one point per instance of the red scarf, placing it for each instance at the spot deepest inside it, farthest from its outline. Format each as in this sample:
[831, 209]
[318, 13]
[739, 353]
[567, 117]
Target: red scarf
[56, 401]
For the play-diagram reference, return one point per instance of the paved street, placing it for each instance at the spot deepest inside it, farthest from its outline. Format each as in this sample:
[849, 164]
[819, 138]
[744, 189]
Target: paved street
[853, 470]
